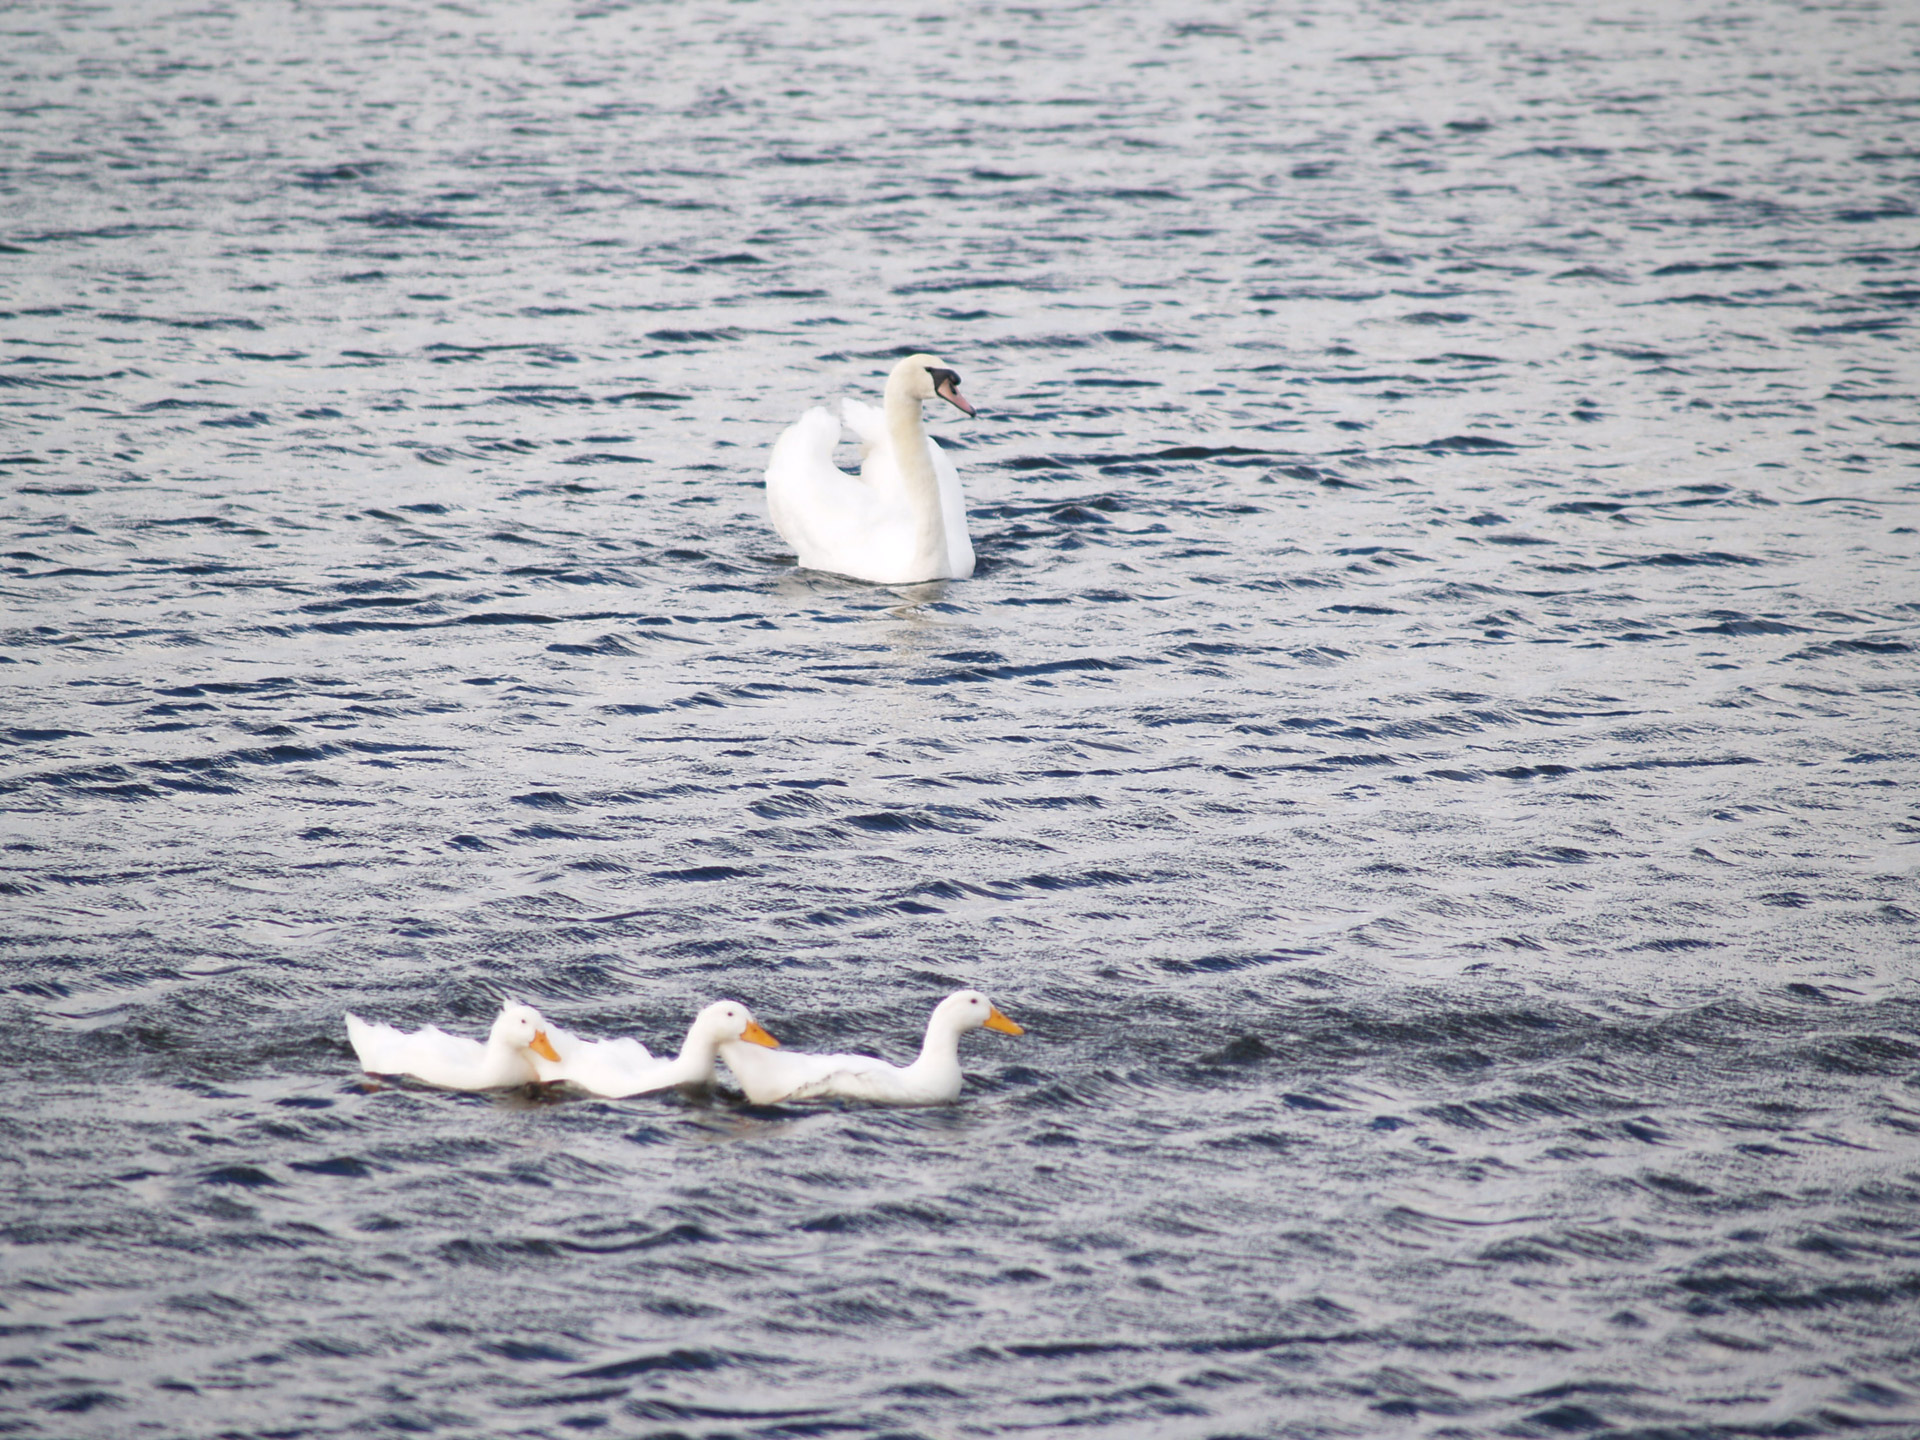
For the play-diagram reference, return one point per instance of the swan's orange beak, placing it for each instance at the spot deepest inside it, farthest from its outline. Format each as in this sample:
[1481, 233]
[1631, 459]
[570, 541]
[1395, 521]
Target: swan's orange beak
[949, 391]
[997, 1021]
[758, 1035]
[543, 1047]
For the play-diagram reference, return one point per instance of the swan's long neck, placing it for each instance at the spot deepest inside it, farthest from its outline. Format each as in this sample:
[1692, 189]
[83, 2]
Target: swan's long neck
[922, 486]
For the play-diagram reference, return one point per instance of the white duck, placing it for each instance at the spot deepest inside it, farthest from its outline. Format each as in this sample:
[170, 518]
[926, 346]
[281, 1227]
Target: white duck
[902, 519]
[618, 1068]
[933, 1079]
[453, 1062]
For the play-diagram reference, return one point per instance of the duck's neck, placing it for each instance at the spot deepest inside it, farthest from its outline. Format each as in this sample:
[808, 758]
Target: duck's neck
[507, 1062]
[917, 479]
[694, 1064]
[940, 1049]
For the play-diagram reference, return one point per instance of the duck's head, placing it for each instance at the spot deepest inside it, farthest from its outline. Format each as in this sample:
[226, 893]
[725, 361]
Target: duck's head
[970, 1010]
[726, 1020]
[925, 378]
[521, 1027]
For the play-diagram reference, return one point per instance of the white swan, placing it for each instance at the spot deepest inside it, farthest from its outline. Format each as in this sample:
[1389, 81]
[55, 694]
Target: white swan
[454, 1062]
[933, 1079]
[618, 1068]
[903, 518]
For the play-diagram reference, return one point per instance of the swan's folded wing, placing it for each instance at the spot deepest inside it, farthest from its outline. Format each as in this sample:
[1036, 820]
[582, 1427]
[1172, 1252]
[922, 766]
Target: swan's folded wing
[869, 422]
[770, 1076]
[809, 439]
[429, 1054]
[818, 508]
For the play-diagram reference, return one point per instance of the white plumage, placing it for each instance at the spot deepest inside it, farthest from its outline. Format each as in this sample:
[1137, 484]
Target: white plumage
[618, 1068]
[453, 1062]
[903, 518]
[932, 1079]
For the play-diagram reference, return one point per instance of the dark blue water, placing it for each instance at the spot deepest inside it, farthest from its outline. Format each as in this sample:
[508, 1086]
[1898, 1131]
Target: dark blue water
[1428, 753]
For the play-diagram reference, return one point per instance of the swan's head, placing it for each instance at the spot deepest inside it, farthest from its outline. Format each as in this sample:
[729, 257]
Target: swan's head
[521, 1027]
[970, 1010]
[925, 378]
[726, 1020]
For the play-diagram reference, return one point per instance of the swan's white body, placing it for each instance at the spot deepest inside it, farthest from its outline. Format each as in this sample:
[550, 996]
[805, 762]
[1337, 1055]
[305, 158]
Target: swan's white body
[507, 1057]
[933, 1079]
[902, 519]
[618, 1068]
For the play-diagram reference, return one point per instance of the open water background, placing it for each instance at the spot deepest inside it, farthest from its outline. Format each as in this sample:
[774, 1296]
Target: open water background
[1429, 751]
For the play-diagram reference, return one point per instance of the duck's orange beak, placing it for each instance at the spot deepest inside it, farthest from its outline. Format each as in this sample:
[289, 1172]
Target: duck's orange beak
[997, 1021]
[758, 1035]
[543, 1047]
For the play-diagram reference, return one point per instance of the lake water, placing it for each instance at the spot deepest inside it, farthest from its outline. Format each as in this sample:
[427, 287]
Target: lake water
[1428, 754]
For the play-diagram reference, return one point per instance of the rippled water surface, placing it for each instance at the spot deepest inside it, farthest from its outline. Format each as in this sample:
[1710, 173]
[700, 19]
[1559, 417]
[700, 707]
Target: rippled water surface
[1429, 752]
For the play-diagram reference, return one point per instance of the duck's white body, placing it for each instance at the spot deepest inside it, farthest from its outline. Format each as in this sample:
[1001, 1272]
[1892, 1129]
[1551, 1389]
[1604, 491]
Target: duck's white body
[619, 1068]
[932, 1079]
[602, 1066]
[507, 1057]
[903, 518]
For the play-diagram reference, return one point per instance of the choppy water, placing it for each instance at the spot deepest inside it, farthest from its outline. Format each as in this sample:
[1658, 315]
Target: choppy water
[1429, 752]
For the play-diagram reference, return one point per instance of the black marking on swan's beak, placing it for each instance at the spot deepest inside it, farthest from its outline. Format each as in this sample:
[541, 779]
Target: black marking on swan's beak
[946, 384]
